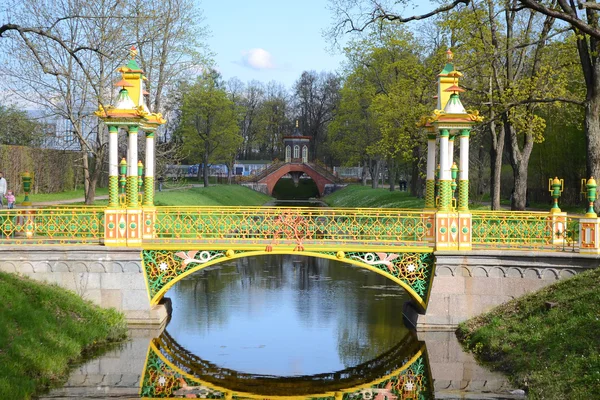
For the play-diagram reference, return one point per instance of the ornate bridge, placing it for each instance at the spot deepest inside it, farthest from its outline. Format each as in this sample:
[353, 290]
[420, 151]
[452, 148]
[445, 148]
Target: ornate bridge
[398, 244]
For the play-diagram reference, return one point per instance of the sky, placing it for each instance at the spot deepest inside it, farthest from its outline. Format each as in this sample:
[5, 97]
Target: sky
[268, 40]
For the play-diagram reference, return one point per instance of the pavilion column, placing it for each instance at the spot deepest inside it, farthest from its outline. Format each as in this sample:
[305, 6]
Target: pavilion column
[113, 166]
[445, 177]
[450, 151]
[149, 177]
[430, 183]
[463, 182]
[132, 172]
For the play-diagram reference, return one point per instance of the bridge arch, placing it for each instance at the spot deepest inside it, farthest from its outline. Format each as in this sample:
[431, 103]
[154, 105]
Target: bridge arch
[412, 270]
[274, 177]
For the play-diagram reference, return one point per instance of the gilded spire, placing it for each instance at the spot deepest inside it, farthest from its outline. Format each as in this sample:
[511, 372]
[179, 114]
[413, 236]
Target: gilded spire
[449, 55]
[133, 52]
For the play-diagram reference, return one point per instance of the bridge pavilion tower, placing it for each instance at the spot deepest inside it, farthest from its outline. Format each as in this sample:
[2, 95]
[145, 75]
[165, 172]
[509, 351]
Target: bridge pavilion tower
[296, 147]
[448, 121]
[130, 216]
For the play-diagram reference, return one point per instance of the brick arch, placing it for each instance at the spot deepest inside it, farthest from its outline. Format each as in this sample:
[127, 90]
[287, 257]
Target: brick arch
[275, 176]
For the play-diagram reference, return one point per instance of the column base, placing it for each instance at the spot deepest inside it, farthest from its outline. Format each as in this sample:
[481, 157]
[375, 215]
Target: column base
[115, 227]
[453, 231]
[149, 219]
[134, 227]
[558, 226]
[589, 235]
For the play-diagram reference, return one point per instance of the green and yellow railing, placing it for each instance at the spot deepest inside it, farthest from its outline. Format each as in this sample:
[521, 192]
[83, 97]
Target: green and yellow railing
[56, 225]
[297, 228]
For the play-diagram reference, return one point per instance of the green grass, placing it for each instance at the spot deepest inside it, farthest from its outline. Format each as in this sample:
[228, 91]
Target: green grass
[44, 329]
[548, 342]
[48, 197]
[366, 197]
[219, 195]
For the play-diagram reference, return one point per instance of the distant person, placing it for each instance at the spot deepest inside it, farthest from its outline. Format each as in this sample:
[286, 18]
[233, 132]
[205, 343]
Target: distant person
[160, 183]
[10, 199]
[2, 189]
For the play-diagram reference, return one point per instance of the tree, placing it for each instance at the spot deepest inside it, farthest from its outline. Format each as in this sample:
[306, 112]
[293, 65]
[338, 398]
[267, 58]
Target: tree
[316, 98]
[388, 88]
[208, 122]
[583, 20]
[273, 121]
[16, 128]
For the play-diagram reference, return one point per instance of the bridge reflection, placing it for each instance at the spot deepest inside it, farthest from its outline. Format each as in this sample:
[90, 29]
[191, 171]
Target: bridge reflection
[400, 373]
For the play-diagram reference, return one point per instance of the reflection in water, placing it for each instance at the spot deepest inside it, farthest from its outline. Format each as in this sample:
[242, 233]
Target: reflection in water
[400, 373]
[287, 315]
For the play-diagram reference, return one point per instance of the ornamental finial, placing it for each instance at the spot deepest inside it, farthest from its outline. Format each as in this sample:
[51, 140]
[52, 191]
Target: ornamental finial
[133, 52]
[449, 55]
[296, 123]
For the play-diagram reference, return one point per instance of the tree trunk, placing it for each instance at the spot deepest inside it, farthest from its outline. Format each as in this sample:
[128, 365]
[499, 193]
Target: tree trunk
[392, 174]
[205, 167]
[592, 128]
[519, 161]
[374, 169]
[496, 152]
[363, 177]
[86, 175]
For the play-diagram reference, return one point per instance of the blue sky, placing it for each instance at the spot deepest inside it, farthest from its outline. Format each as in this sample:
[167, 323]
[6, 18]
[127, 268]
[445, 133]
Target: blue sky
[268, 40]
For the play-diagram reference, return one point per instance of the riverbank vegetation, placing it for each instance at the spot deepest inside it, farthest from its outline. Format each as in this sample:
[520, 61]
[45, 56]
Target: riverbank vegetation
[548, 342]
[366, 197]
[218, 195]
[43, 330]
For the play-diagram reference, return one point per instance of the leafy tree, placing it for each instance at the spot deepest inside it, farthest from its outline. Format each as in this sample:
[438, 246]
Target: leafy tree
[208, 123]
[16, 128]
[387, 90]
[316, 97]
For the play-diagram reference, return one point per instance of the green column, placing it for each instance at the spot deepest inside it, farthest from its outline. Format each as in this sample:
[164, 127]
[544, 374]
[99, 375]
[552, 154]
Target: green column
[430, 183]
[463, 182]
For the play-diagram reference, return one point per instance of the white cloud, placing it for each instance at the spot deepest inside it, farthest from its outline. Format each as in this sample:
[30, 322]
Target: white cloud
[257, 59]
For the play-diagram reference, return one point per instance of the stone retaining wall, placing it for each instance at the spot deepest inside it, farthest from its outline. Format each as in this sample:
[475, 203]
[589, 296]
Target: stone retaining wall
[468, 284]
[109, 277]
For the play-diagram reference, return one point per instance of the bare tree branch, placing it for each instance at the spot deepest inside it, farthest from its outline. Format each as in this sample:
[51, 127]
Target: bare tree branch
[568, 15]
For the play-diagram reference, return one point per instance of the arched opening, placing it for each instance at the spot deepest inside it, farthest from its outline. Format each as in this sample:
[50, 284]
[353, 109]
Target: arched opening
[304, 154]
[288, 153]
[286, 189]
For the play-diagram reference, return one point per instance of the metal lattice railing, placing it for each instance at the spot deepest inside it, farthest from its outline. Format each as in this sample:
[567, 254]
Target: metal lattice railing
[61, 225]
[292, 226]
[522, 230]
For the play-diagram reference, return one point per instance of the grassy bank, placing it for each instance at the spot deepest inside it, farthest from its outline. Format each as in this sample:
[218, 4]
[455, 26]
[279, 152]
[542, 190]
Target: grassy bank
[42, 330]
[366, 197]
[548, 342]
[219, 195]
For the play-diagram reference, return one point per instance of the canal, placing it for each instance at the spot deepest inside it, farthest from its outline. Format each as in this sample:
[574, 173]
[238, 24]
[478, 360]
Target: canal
[285, 325]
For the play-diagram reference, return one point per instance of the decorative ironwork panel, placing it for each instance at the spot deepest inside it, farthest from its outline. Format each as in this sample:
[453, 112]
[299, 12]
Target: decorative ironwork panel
[519, 230]
[164, 267]
[414, 269]
[60, 225]
[298, 226]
